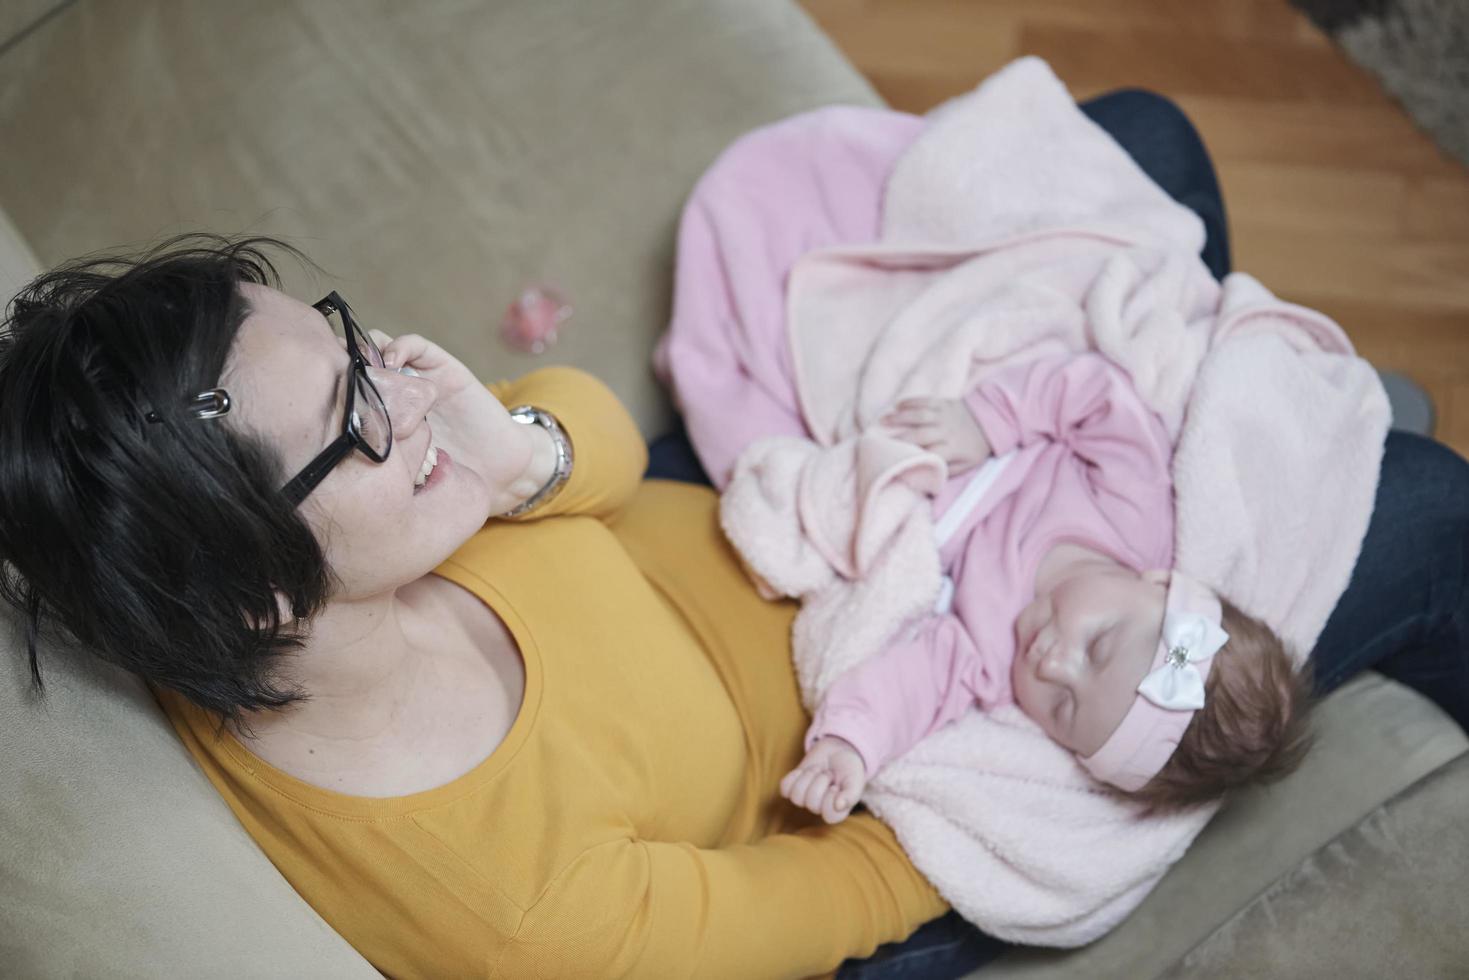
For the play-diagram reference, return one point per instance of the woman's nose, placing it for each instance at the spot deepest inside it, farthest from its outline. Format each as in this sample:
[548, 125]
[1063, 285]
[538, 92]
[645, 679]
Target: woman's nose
[407, 398]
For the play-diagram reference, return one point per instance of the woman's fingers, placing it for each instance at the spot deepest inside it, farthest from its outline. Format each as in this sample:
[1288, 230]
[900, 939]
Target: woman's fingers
[410, 349]
[424, 356]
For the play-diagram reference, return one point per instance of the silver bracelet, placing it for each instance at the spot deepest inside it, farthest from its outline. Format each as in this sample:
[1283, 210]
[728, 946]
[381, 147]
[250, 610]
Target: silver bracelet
[530, 415]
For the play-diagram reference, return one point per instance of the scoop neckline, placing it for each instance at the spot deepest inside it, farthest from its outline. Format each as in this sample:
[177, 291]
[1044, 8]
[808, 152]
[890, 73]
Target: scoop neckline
[350, 806]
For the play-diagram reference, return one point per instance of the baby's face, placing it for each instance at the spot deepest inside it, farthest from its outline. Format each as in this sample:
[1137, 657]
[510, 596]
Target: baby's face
[1083, 648]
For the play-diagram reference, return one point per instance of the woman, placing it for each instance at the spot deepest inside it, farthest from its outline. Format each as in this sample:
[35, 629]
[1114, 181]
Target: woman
[545, 745]
[548, 743]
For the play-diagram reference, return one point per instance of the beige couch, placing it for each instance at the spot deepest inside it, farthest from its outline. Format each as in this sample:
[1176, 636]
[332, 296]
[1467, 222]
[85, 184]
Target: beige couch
[434, 157]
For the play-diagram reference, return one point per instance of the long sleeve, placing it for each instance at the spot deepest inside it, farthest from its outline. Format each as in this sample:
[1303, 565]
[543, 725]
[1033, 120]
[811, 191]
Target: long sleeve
[1090, 405]
[916, 686]
[610, 456]
[789, 905]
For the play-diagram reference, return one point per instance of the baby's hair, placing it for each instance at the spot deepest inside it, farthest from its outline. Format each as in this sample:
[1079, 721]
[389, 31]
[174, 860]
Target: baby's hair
[1254, 727]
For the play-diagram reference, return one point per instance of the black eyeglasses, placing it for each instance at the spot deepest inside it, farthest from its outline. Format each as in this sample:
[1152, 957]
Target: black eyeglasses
[365, 423]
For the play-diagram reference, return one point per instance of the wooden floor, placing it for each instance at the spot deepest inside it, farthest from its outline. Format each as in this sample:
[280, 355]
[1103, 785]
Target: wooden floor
[1335, 199]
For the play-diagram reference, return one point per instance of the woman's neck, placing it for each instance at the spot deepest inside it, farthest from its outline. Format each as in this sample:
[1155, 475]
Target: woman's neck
[359, 664]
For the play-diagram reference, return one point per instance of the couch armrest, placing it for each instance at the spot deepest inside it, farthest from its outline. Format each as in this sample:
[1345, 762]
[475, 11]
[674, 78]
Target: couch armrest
[1375, 738]
[1384, 899]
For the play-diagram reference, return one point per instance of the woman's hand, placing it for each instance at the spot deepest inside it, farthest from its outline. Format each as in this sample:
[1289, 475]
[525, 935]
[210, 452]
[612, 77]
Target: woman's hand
[427, 359]
[829, 781]
[943, 426]
[470, 423]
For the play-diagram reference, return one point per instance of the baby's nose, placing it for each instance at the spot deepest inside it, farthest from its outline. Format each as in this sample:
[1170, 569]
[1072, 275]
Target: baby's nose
[1056, 664]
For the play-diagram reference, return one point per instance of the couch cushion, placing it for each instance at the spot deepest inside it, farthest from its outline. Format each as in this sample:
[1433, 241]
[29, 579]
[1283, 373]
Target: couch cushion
[18, 263]
[434, 157]
[1375, 738]
[1384, 899]
[117, 858]
[19, 16]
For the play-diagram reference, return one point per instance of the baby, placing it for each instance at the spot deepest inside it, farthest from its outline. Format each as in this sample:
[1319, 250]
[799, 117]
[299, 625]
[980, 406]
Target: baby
[1063, 602]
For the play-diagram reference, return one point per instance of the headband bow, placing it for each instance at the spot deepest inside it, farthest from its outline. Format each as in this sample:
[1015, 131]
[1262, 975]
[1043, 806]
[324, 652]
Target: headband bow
[1178, 684]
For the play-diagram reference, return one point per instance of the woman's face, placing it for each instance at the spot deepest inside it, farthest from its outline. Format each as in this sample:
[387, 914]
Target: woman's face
[287, 377]
[1083, 648]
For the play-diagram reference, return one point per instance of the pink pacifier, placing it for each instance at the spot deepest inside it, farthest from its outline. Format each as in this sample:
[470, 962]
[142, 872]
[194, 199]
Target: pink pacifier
[531, 322]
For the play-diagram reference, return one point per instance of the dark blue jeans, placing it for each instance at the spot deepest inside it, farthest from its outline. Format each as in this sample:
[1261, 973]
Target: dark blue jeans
[1406, 609]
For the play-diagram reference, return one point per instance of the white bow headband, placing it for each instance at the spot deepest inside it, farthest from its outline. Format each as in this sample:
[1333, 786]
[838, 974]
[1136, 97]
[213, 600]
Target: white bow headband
[1189, 639]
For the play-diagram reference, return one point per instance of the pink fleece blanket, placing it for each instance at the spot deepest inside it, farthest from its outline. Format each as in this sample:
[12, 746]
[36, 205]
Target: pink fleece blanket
[922, 255]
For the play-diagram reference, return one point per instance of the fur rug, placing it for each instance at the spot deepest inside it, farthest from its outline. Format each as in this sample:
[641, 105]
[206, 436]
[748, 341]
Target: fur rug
[1419, 51]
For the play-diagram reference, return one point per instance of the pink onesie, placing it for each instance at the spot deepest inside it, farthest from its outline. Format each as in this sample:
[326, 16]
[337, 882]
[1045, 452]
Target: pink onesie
[1091, 466]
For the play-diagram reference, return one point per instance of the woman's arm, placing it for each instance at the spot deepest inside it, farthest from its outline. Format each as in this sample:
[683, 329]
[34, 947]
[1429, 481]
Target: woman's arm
[609, 452]
[791, 905]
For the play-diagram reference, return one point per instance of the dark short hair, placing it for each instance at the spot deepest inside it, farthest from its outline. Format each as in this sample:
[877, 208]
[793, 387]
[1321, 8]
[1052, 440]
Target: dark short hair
[1254, 727]
[158, 546]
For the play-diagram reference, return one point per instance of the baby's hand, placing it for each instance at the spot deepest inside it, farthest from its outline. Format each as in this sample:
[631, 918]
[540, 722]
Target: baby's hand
[828, 781]
[943, 426]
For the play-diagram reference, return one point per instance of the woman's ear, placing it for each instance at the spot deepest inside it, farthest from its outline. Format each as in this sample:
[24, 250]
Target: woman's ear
[283, 608]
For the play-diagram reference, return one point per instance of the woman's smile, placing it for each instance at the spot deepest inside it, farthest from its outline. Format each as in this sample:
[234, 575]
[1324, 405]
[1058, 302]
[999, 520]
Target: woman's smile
[429, 461]
[438, 462]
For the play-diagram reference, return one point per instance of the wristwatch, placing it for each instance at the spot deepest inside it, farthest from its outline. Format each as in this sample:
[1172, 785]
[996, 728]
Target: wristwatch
[530, 415]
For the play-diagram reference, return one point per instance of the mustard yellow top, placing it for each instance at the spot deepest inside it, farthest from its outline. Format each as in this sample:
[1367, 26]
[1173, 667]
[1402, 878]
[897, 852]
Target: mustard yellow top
[630, 823]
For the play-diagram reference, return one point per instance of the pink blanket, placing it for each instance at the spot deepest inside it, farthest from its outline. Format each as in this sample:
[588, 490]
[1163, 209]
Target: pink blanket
[1011, 227]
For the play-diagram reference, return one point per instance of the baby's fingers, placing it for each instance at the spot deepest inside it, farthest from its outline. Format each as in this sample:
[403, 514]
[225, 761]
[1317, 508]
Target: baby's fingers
[837, 803]
[794, 786]
[907, 414]
[815, 790]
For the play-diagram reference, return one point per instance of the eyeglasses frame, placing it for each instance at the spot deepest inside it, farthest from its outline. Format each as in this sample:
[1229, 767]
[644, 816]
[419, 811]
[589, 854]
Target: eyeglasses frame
[311, 475]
